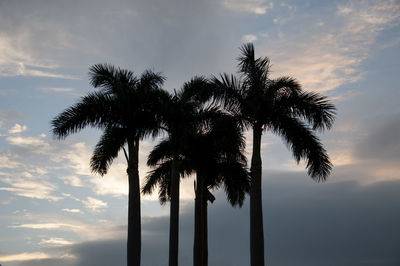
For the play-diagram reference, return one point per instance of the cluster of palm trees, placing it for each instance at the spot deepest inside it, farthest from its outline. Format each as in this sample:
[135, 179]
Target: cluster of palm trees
[203, 125]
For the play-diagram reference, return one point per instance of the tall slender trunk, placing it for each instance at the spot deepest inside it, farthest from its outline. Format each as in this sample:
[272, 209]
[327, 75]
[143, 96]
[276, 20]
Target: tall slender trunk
[256, 217]
[134, 226]
[200, 252]
[205, 228]
[174, 214]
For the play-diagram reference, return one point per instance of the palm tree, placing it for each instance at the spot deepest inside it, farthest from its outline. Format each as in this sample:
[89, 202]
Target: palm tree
[279, 106]
[209, 143]
[218, 159]
[125, 108]
[180, 115]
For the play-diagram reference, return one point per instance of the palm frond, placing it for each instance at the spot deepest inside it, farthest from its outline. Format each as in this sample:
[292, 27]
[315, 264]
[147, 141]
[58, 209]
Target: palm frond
[246, 58]
[314, 108]
[157, 176]
[112, 140]
[198, 90]
[161, 177]
[283, 86]
[150, 79]
[304, 145]
[236, 183]
[254, 72]
[111, 79]
[95, 109]
[161, 152]
[228, 91]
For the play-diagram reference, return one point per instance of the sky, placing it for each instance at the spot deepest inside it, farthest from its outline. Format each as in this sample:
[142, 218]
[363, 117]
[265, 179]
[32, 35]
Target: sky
[54, 211]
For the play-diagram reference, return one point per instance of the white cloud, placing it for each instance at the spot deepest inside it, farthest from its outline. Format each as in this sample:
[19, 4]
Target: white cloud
[24, 70]
[249, 38]
[95, 205]
[79, 158]
[39, 171]
[115, 182]
[37, 145]
[17, 128]
[47, 226]
[72, 180]
[72, 210]
[55, 241]
[101, 229]
[8, 116]
[330, 55]
[7, 201]
[67, 195]
[58, 90]
[250, 6]
[36, 189]
[24, 256]
[16, 59]
[7, 162]
[367, 12]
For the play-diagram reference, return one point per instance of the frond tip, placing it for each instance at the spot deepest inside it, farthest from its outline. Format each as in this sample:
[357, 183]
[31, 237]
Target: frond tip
[107, 149]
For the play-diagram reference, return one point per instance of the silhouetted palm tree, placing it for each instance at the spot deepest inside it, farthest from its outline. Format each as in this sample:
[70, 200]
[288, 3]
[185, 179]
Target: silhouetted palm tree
[180, 118]
[219, 160]
[279, 106]
[212, 147]
[125, 108]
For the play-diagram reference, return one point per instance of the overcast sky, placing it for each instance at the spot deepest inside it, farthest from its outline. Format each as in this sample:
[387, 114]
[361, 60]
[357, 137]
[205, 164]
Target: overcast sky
[54, 211]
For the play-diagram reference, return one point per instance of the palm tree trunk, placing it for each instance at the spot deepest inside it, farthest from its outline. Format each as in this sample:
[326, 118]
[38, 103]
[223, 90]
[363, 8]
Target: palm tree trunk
[256, 217]
[174, 215]
[205, 229]
[200, 206]
[134, 226]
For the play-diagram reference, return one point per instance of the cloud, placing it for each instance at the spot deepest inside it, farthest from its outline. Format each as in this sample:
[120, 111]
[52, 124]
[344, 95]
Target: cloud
[72, 180]
[381, 141]
[7, 161]
[258, 7]
[25, 169]
[325, 56]
[7, 201]
[72, 210]
[59, 225]
[58, 90]
[95, 205]
[78, 157]
[305, 223]
[17, 128]
[23, 256]
[17, 58]
[36, 145]
[249, 38]
[48, 226]
[115, 182]
[9, 115]
[24, 71]
[55, 241]
[30, 188]
[369, 13]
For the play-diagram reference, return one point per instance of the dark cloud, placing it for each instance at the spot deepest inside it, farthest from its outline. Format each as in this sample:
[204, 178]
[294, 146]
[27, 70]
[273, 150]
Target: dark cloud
[382, 141]
[48, 262]
[11, 116]
[305, 223]
[180, 38]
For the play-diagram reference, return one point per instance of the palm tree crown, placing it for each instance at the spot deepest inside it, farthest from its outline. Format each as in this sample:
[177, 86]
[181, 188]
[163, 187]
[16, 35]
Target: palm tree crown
[279, 106]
